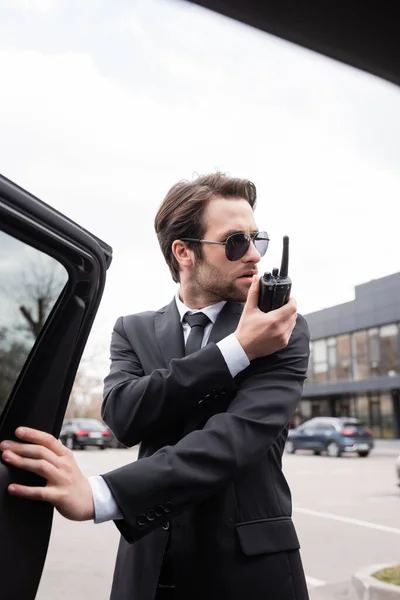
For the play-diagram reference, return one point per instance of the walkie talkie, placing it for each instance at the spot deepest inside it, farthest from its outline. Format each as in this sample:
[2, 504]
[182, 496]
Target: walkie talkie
[275, 287]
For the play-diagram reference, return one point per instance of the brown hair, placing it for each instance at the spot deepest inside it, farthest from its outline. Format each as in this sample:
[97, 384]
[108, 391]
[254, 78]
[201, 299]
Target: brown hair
[181, 212]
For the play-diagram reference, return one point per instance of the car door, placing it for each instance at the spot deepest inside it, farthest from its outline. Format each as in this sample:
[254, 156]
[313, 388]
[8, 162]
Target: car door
[42, 337]
[305, 436]
[323, 431]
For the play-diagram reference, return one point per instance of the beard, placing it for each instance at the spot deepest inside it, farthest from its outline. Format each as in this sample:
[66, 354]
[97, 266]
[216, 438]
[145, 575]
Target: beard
[211, 281]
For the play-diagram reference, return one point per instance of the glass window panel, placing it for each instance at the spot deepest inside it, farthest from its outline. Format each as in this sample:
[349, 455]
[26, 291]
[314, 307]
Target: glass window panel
[389, 349]
[320, 351]
[30, 285]
[360, 355]
[374, 351]
[310, 377]
[362, 409]
[343, 357]
[375, 416]
[320, 355]
[321, 372]
[387, 416]
[332, 359]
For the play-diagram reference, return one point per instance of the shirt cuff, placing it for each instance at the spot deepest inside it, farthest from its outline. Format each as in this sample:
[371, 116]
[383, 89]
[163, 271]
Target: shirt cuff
[234, 355]
[105, 506]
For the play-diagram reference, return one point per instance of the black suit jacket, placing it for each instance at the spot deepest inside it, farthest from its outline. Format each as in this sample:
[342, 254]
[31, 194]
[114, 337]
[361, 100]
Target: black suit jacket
[209, 462]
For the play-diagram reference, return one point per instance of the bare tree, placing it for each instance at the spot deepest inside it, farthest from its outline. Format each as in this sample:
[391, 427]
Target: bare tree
[12, 357]
[38, 290]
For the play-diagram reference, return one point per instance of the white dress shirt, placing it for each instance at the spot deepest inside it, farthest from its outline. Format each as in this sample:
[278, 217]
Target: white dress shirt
[105, 506]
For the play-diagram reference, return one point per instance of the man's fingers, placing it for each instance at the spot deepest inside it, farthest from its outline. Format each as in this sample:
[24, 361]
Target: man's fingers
[35, 436]
[31, 451]
[287, 311]
[290, 307]
[31, 493]
[40, 467]
[253, 293]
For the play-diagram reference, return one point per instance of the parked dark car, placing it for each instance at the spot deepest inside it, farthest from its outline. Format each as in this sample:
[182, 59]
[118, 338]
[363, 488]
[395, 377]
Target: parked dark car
[335, 436]
[80, 433]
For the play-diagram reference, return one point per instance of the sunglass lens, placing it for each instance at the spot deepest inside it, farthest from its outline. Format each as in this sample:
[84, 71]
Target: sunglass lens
[261, 242]
[237, 246]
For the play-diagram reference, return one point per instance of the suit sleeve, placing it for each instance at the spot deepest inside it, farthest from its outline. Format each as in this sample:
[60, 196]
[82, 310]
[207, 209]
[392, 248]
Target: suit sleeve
[136, 405]
[177, 477]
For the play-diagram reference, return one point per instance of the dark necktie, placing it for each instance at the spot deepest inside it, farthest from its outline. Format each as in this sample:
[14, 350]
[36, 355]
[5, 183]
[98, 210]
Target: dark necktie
[197, 323]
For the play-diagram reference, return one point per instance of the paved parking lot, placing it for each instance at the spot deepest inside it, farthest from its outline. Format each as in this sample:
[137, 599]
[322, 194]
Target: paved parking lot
[346, 510]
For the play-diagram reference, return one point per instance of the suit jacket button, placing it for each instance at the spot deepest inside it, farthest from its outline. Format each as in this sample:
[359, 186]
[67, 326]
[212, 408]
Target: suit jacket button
[159, 510]
[167, 507]
[200, 402]
[166, 526]
[141, 520]
[151, 515]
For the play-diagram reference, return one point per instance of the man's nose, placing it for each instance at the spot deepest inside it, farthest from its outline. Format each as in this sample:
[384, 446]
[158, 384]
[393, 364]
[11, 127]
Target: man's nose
[252, 254]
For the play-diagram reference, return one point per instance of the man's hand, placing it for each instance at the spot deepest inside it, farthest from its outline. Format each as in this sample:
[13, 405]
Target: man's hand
[67, 488]
[261, 333]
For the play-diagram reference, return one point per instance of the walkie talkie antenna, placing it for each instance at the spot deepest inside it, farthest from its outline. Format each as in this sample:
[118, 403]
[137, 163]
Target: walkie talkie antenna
[285, 258]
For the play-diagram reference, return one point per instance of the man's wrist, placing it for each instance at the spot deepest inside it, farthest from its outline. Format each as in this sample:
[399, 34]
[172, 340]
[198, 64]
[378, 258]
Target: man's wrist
[245, 346]
[105, 506]
[233, 354]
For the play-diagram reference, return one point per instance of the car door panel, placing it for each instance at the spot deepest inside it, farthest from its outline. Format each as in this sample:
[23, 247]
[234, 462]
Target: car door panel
[307, 437]
[40, 393]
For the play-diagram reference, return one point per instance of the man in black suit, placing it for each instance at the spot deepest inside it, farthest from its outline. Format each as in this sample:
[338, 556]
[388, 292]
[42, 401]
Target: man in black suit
[207, 386]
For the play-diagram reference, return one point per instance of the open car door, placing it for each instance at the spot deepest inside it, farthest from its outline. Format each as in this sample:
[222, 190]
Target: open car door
[52, 276]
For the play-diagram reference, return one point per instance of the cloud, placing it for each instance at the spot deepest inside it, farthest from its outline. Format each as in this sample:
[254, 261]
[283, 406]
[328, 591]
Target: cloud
[38, 6]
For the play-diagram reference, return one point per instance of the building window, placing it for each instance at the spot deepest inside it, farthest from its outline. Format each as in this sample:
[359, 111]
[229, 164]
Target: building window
[374, 351]
[343, 357]
[360, 355]
[320, 361]
[310, 376]
[387, 409]
[332, 359]
[389, 335]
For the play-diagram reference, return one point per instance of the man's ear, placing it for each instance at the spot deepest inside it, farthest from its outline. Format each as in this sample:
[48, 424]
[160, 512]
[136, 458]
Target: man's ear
[183, 254]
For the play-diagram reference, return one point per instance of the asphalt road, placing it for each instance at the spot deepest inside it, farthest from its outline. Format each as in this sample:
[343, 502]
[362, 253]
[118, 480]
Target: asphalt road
[346, 512]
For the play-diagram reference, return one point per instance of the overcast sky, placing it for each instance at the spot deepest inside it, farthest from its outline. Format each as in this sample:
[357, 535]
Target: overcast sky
[104, 105]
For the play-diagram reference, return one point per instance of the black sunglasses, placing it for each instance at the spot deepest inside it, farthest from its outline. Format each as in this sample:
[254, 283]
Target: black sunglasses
[237, 244]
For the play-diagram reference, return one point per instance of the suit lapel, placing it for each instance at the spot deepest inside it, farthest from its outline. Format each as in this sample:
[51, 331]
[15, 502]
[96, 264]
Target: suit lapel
[169, 333]
[226, 322]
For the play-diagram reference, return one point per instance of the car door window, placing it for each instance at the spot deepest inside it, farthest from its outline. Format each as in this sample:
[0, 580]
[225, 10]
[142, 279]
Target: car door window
[30, 285]
[328, 429]
[308, 430]
[322, 426]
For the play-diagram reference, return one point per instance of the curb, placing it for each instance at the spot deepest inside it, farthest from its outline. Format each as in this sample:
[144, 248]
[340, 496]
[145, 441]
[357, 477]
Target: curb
[365, 587]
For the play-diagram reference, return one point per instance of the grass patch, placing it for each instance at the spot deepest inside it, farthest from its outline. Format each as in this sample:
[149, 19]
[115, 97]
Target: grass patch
[389, 575]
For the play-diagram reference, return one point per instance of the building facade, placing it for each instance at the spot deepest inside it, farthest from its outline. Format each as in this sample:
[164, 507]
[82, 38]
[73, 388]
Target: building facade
[354, 367]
